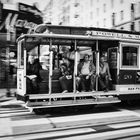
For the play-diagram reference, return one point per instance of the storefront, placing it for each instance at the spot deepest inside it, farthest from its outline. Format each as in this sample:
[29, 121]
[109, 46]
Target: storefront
[13, 24]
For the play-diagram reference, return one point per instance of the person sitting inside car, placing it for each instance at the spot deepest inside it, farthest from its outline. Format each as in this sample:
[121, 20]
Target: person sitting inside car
[104, 74]
[33, 74]
[86, 72]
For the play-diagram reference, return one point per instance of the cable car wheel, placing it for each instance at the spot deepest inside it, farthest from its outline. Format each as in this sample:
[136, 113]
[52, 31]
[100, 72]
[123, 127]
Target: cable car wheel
[133, 102]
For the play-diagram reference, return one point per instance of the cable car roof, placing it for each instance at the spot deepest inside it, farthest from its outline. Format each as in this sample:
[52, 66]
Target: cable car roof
[33, 40]
[55, 39]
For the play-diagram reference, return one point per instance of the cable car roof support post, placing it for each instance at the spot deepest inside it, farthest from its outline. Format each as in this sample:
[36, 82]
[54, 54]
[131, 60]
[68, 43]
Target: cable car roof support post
[25, 68]
[97, 64]
[50, 67]
[75, 66]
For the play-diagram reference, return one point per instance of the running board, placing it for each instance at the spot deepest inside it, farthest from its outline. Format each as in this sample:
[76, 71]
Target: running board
[75, 102]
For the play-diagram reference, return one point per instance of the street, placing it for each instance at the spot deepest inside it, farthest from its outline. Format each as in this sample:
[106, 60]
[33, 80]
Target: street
[100, 122]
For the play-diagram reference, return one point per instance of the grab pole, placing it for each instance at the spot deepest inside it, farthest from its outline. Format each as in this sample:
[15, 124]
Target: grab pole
[50, 68]
[75, 68]
[97, 64]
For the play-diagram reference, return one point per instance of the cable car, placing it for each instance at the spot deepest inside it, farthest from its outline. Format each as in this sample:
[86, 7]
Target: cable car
[120, 48]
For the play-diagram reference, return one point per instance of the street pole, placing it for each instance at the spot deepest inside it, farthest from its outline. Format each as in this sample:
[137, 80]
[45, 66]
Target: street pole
[8, 93]
[8, 37]
[132, 17]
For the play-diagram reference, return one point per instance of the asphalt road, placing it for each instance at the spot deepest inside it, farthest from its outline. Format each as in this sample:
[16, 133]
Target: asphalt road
[100, 122]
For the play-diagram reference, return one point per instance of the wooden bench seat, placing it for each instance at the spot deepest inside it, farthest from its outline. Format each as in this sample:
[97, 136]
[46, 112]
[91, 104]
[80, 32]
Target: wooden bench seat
[44, 85]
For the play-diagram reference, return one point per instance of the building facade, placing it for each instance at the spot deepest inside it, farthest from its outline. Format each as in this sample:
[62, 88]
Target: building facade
[118, 14]
[15, 19]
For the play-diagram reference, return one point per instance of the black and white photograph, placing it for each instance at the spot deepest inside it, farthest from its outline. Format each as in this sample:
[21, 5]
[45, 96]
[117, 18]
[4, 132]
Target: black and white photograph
[69, 69]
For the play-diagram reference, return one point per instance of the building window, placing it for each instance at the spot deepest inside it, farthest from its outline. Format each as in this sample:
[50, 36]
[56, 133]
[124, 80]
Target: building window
[139, 25]
[97, 23]
[132, 26]
[129, 55]
[76, 4]
[91, 15]
[104, 8]
[139, 7]
[104, 22]
[122, 14]
[91, 2]
[112, 3]
[76, 16]
[97, 11]
[121, 1]
[113, 19]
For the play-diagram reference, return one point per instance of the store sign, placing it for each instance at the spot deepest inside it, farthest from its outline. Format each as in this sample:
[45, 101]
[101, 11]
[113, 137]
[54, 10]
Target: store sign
[112, 35]
[25, 24]
[30, 9]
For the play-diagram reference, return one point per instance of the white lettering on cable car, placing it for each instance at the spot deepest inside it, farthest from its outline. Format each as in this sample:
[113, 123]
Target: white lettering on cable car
[134, 88]
[127, 77]
[112, 35]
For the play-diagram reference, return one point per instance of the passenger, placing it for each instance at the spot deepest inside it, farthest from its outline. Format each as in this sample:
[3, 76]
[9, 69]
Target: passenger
[33, 74]
[104, 74]
[66, 79]
[69, 59]
[86, 72]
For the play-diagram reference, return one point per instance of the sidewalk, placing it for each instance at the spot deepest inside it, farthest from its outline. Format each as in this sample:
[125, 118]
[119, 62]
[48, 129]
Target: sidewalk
[3, 96]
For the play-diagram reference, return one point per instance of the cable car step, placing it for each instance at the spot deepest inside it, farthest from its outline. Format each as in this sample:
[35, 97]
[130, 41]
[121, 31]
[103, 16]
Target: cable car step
[70, 102]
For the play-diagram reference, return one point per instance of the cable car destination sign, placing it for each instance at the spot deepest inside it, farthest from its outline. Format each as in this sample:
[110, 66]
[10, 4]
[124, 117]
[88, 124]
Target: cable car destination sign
[113, 35]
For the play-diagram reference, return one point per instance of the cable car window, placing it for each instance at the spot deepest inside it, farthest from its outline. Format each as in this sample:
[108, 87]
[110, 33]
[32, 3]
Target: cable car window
[130, 56]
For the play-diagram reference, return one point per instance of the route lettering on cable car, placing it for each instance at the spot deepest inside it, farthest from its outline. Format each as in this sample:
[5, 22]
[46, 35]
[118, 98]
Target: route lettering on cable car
[112, 35]
[127, 77]
[134, 88]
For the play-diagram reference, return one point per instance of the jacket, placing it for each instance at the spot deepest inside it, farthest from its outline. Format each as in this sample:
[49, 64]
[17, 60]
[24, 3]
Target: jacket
[92, 67]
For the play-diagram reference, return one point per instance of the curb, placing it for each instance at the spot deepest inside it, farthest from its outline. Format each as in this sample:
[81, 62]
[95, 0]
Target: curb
[4, 97]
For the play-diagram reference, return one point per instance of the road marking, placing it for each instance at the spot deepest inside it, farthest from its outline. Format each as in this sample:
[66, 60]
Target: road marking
[123, 125]
[68, 119]
[12, 102]
[91, 116]
[57, 134]
[13, 111]
[105, 135]
[5, 128]
[129, 111]
[30, 122]
[14, 114]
